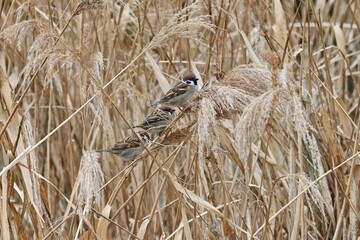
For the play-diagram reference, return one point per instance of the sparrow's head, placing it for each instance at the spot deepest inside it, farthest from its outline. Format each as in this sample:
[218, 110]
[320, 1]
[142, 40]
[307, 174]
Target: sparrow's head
[167, 109]
[190, 79]
[144, 135]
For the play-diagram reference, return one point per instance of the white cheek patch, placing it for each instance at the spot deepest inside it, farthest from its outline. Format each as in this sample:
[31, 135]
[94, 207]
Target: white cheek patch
[191, 82]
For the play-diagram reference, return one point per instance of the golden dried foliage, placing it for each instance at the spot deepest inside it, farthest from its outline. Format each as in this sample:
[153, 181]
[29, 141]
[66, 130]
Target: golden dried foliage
[268, 149]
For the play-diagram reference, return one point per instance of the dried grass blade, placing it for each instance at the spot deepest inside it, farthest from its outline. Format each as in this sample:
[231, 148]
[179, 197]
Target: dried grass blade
[5, 230]
[354, 196]
[224, 137]
[329, 137]
[103, 223]
[164, 84]
[191, 195]
[280, 30]
[343, 117]
[185, 221]
[297, 216]
[252, 54]
[143, 227]
[340, 38]
[340, 42]
[11, 131]
[269, 159]
[179, 234]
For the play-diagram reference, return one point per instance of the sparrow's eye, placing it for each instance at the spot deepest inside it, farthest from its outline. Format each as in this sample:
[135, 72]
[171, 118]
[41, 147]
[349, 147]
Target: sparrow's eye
[188, 82]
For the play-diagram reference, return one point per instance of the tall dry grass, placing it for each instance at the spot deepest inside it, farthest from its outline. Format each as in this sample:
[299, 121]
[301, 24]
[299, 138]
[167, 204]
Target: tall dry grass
[270, 151]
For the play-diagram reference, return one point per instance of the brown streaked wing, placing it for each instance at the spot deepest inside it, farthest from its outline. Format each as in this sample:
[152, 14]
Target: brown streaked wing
[178, 90]
[130, 142]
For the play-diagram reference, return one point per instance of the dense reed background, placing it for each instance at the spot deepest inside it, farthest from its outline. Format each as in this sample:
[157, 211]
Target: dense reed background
[268, 152]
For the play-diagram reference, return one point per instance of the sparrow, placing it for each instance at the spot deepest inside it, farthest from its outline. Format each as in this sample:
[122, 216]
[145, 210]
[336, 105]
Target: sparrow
[181, 93]
[129, 148]
[213, 79]
[157, 121]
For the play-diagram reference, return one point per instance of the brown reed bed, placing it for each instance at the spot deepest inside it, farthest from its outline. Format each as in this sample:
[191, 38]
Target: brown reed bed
[268, 151]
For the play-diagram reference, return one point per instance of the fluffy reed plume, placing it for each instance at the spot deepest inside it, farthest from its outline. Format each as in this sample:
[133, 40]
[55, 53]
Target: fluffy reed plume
[253, 117]
[229, 98]
[19, 31]
[184, 24]
[33, 162]
[91, 181]
[88, 4]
